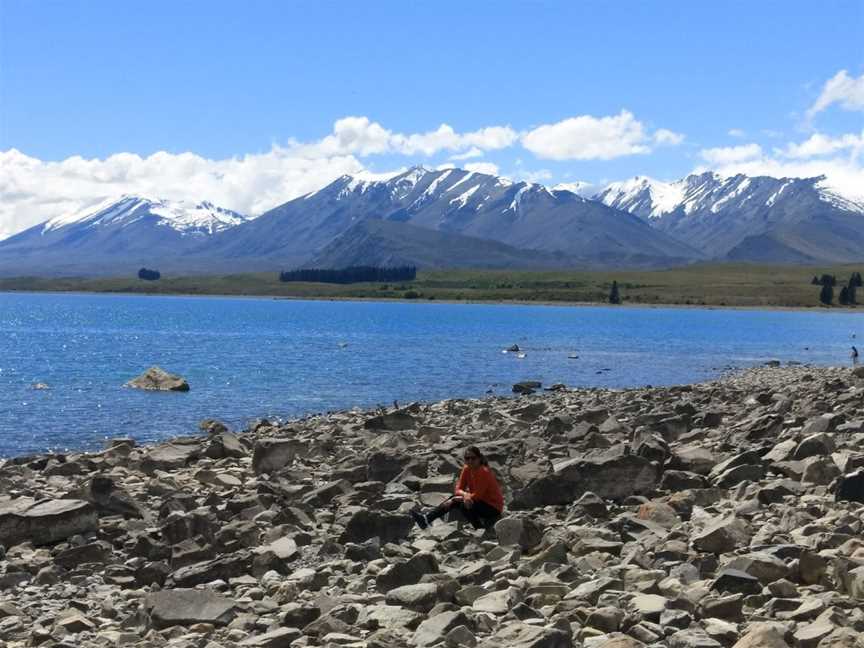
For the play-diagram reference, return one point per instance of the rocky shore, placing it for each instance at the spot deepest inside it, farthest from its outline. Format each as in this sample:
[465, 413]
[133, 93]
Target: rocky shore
[695, 516]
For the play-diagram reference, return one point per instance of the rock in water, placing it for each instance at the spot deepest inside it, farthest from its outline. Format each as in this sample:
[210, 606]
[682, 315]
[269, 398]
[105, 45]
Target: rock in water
[157, 379]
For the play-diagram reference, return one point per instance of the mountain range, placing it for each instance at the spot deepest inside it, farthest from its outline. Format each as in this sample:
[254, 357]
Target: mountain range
[458, 218]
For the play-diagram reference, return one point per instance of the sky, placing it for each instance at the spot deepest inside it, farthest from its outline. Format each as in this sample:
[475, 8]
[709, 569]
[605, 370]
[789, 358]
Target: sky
[251, 104]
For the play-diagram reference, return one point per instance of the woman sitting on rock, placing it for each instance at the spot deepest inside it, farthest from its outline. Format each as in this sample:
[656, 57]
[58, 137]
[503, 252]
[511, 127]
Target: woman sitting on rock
[477, 495]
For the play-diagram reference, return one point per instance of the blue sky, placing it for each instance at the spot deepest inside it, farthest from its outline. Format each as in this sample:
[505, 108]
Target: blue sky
[648, 88]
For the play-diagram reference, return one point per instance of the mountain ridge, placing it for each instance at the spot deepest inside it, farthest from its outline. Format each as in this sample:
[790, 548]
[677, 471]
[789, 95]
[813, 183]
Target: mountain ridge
[460, 218]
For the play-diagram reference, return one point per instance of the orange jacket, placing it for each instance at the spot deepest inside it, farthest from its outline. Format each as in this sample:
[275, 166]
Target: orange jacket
[482, 485]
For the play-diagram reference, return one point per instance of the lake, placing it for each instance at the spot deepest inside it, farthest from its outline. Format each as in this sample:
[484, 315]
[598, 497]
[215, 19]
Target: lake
[248, 358]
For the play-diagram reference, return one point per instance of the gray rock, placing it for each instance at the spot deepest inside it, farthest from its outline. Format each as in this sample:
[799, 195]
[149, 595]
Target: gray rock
[45, 521]
[157, 379]
[279, 638]
[521, 532]
[610, 478]
[724, 535]
[188, 607]
[420, 597]
[522, 635]
[271, 455]
[435, 628]
[365, 524]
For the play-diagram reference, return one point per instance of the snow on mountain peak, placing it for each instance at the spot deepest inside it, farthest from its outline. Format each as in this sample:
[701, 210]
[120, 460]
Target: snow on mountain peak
[183, 216]
[643, 194]
[579, 187]
[833, 195]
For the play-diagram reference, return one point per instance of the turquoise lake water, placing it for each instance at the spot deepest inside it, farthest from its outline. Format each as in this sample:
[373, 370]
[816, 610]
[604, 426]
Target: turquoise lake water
[249, 358]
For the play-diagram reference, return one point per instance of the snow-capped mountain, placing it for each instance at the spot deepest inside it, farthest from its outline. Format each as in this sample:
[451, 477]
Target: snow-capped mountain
[119, 232]
[458, 218]
[186, 218]
[643, 196]
[748, 218]
[521, 215]
[579, 187]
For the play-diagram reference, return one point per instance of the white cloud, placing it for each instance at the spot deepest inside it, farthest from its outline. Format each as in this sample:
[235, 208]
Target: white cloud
[362, 137]
[540, 175]
[34, 190]
[594, 138]
[483, 167]
[736, 132]
[473, 152]
[666, 137]
[846, 176]
[840, 89]
[730, 154]
[819, 144]
[808, 159]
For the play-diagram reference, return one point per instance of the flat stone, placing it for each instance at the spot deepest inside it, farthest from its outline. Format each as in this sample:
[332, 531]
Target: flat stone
[45, 521]
[187, 607]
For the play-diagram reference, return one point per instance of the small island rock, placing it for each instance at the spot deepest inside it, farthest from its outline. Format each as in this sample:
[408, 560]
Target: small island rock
[157, 379]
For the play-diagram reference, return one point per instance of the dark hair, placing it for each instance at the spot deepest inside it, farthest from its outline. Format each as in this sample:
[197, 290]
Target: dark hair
[476, 452]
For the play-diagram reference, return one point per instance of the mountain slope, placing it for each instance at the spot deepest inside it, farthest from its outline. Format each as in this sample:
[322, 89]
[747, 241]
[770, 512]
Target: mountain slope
[118, 233]
[726, 218]
[521, 215]
[393, 243]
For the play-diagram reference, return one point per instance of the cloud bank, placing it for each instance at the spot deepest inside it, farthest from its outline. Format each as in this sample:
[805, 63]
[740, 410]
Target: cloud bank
[595, 138]
[34, 190]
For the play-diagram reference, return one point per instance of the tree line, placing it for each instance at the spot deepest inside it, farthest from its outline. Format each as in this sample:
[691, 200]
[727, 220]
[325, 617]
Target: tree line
[847, 295]
[148, 275]
[354, 274]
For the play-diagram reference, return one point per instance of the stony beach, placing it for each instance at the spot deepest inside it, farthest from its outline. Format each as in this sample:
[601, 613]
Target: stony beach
[694, 516]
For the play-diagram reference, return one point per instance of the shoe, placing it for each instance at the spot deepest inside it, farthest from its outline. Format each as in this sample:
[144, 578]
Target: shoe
[420, 519]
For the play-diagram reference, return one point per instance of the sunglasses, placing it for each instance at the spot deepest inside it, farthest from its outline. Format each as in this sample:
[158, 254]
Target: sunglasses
[470, 457]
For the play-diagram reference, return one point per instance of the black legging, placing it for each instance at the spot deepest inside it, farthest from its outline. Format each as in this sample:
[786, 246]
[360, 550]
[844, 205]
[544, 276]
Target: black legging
[481, 514]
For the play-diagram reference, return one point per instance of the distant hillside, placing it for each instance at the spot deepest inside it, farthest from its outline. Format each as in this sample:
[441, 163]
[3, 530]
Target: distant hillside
[391, 243]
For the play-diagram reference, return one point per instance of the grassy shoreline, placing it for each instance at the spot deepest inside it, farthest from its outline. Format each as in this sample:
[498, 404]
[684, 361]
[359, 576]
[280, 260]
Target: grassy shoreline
[727, 285]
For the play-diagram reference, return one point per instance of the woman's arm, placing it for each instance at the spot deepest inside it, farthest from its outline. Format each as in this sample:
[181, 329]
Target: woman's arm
[462, 484]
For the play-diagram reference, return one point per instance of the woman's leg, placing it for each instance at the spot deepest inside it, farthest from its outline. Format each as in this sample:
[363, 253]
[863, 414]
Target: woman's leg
[439, 511]
[482, 515]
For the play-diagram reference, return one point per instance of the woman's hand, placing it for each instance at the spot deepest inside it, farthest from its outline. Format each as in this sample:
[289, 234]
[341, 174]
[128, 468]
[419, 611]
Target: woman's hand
[467, 500]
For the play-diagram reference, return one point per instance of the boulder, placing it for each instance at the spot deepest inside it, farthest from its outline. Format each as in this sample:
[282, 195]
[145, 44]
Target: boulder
[520, 532]
[523, 635]
[724, 535]
[851, 487]
[271, 455]
[420, 597]
[172, 607]
[406, 572]
[157, 379]
[526, 387]
[45, 521]
[279, 638]
[435, 628]
[169, 457]
[365, 524]
[393, 421]
[611, 478]
[762, 636]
